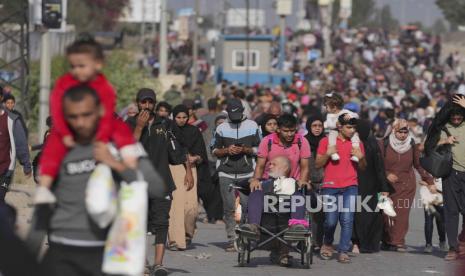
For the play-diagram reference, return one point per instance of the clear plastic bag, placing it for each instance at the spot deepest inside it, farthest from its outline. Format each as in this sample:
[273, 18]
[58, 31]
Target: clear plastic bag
[126, 243]
[101, 196]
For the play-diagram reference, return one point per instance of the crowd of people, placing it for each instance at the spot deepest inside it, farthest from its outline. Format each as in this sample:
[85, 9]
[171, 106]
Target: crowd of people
[355, 125]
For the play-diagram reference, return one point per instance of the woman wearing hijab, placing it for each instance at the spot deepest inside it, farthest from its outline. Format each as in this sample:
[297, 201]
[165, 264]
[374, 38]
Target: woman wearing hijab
[314, 135]
[184, 207]
[211, 196]
[269, 125]
[368, 226]
[401, 156]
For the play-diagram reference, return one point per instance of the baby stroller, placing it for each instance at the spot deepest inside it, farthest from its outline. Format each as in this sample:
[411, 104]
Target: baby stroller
[273, 229]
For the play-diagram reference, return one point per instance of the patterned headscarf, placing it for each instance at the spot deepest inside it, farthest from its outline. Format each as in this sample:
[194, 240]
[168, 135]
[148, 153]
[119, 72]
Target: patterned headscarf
[398, 145]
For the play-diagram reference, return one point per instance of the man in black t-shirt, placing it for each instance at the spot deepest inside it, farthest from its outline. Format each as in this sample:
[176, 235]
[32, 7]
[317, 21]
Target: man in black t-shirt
[152, 132]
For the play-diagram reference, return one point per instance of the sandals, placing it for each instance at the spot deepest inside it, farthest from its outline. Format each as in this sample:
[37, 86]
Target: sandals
[461, 248]
[394, 248]
[285, 260]
[230, 247]
[452, 255]
[174, 247]
[343, 258]
[326, 252]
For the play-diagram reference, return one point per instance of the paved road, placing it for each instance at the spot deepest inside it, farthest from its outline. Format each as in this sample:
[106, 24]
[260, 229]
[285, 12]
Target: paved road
[209, 258]
[210, 240]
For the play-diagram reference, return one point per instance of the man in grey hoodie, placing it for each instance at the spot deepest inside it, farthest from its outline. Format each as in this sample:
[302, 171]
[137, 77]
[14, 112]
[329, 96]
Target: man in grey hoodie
[76, 243]
[13, 145]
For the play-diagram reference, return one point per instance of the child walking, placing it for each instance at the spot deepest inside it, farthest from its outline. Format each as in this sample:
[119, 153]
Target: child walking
[85, 57]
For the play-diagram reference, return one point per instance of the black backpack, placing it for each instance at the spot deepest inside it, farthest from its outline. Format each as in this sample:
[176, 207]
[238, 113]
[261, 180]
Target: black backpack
[439, 161]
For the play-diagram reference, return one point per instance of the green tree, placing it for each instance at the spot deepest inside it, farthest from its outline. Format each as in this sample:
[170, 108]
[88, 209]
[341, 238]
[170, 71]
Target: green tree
[453, 11]
[10, 10]
[362, 12]
[439, 27]
[386, 20]
[120, 70]
[92, 15]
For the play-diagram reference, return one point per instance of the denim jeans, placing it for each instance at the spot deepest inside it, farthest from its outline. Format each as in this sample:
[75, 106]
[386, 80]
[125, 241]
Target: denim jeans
[333, 200]
[229, 199]
[453, 187]
[429, 225]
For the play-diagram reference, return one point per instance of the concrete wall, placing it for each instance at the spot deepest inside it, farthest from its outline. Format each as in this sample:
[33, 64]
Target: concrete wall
[58, 43]
[10, 51]
[263, 47]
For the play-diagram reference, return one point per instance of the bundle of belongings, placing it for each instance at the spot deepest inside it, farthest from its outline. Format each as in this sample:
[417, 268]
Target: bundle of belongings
[430, 200]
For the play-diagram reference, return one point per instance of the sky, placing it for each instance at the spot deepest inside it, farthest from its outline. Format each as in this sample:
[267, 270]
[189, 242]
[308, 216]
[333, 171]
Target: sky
[405, 11]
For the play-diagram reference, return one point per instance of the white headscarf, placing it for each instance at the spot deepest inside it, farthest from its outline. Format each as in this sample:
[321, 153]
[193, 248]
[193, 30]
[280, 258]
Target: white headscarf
[398, 145]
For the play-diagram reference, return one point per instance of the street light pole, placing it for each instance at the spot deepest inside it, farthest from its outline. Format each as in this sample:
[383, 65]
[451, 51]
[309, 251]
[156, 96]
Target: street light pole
[142, 26]
[163, 44]
[247, 42]
[45, 74]
[282, 41]
[195, 45]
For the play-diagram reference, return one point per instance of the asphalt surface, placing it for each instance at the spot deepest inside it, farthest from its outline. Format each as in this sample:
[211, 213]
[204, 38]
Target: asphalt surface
[207, 257]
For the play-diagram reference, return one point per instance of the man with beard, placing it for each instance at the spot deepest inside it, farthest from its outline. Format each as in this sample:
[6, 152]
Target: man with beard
[76, 242]
[451, 119]
[153, 132]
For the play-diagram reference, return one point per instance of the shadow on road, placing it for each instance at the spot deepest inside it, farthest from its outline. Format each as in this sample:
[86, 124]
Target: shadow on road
[419, 250]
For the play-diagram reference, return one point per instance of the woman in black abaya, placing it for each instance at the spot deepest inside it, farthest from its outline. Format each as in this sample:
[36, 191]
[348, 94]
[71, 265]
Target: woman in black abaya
[315, 134]
[368, 226]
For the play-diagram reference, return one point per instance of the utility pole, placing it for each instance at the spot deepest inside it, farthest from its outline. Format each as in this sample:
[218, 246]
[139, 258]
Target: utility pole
[326, 12]
[247, 42]
[282, 41]
[45, 75]
[195, 45]
[283, 8]
[142, 26]
[154, 22]
[163, 44]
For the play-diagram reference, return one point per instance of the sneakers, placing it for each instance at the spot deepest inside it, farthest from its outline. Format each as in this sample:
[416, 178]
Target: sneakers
[159, 270]
[385, 204]
[428, 249]
[443, 246]
[44, 196]
[335, 157]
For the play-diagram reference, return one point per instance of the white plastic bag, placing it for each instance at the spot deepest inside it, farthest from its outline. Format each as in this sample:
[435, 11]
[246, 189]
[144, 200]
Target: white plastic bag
[126, 243]
[284, 186]
[101, 196]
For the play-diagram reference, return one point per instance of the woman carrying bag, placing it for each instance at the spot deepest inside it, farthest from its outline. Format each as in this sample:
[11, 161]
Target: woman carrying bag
[401, 156]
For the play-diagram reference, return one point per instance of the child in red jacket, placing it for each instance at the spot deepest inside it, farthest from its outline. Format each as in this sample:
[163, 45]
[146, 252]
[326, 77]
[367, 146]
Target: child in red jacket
[85, 57]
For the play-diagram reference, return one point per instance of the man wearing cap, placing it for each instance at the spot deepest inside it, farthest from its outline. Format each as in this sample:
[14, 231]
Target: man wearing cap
[340, 186]
[151, 131]
[236, 142]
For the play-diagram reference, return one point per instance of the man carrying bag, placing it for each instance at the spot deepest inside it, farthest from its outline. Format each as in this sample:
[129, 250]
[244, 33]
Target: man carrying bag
[451, 117]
